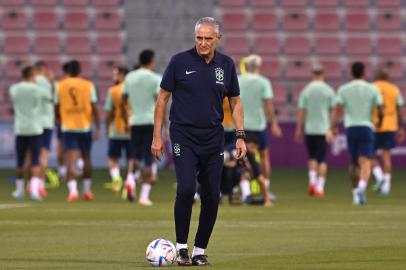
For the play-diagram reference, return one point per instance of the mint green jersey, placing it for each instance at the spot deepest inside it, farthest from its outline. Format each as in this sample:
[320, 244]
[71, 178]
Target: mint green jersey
[358, 98]
[254, 89]
[317, 99]
[109, 107]
[27, 100]
[142, 87]
[47, 108]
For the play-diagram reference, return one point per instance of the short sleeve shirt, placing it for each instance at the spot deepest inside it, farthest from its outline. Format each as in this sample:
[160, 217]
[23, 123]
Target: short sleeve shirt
[317, 99]
[198, 88]
[254, 90]
[358, 98]
[27, 101]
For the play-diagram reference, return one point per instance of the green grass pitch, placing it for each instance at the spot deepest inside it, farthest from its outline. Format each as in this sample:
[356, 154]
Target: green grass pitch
[298, 233]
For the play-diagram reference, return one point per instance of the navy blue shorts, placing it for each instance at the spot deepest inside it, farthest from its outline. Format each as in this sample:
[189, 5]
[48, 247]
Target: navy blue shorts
[46, 138]
[385, 140]
[360, 141]
[77, 141]
[25, 144]
[141, 140]
[316, 147]
[116, 147]
[262, 137]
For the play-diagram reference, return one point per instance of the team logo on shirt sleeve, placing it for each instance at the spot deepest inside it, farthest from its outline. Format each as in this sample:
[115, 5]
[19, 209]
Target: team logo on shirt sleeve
[219, 75]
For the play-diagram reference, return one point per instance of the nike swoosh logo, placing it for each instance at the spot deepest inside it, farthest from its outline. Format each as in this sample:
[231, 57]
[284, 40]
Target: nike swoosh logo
[190, 72]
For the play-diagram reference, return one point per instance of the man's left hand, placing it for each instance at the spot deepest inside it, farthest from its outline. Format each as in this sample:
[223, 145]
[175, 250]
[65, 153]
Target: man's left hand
[241, 149]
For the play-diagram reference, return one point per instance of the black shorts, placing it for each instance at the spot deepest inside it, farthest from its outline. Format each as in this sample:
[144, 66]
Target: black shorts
[141, 140]
[262, 137]
[385, 140]
[25, 144]
[316, 147]
[117, 146]
[46, 138]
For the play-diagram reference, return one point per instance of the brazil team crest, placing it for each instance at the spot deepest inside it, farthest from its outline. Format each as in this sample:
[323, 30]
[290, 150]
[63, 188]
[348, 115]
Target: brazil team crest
[219, 74]
[176, 149]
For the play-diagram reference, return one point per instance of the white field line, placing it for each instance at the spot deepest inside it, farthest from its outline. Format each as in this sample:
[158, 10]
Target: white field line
[14, 205]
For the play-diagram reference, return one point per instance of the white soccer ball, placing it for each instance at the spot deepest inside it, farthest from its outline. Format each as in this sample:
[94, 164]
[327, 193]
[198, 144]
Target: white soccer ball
[161, 252]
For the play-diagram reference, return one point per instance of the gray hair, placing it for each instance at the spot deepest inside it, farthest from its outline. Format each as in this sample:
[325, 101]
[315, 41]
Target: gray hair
[208, 21]
[253, 62]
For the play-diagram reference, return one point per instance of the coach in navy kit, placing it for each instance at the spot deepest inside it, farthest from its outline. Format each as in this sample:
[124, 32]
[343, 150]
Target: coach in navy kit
[198, 80]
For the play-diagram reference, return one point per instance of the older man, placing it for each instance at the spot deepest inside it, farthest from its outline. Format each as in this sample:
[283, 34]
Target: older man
[198, 79]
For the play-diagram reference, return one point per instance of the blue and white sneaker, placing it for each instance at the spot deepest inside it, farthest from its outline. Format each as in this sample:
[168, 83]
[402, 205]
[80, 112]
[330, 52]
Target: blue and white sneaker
[378, 186]
[35, 196]
[18, 195]
[359, 196]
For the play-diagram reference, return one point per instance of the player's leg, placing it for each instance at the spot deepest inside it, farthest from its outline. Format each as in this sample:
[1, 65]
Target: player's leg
[133, 170]
[376, 168]
[311, 164]
[148, 180]
[35, 181]
[85, 150]
[114, 154]
[209, 178]
[245, 187]
[44, 157]
[21, 148]
[390, 143]
[61, 154]
[72, 153]
[186, 163]
[321, 156]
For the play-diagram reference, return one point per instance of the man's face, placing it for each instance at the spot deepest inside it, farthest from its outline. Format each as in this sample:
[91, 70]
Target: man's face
[206, 40]
[117, 77]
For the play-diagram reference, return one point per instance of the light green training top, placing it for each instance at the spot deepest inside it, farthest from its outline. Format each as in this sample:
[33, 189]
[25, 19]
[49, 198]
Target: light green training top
[47, 108]
[254, 89]
[27, 100]
[317, 99]
[113, 133]
[142, 87]
[358, 98]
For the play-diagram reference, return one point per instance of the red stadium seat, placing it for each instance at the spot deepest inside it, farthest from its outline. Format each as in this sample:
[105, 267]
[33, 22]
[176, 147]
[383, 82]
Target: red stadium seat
[298, 69]
[236, 45]
[45, 20]
[267, 46]
[356, 4]
[78, 45]
[2, 94]
[75, 3]
[327, 21]
[53, 64]
[105, 67]
[389, 46]
[16, 45]
[232, 3]
[106, 45]
[279, 93]
[263, 3]
[43, 3]
[332, 69]
[388, 3]
[357, 21]
[107, 20]
[327, 45]
[297, 45]
[295, 21]
[234, 21]
[394, 67]
[359, 46]
[294, 3]
[76, 21]
[325, 3]
[283, 112]
[106, 3]
[12, 19]
[12, 3]
[271, 69]
[47, 45]
[389, 21]
[264, 21]
[13, 68]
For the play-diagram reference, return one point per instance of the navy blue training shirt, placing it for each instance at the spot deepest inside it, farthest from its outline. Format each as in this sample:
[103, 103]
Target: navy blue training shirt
[198, 88]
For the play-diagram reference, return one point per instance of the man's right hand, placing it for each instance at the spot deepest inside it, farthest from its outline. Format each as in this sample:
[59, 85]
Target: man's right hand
[157, 147]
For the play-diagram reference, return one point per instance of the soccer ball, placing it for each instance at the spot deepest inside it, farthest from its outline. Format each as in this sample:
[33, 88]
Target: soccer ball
[161, 252]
